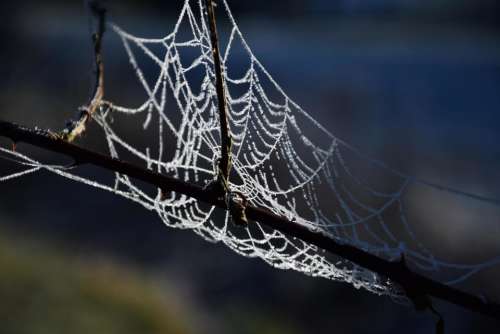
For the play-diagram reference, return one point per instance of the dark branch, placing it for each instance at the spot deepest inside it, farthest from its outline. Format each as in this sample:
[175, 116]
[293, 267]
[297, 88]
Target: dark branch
[76, 128]
[226, 141]
[416, 285]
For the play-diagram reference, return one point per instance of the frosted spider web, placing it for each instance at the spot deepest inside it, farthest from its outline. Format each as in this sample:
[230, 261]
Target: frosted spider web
[284, 161]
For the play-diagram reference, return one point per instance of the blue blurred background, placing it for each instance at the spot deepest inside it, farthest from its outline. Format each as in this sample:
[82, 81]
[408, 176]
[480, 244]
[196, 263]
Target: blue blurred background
[413, 83]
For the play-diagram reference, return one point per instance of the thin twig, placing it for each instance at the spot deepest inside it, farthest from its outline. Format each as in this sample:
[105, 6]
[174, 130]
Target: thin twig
[75, 128]
[226, 141]
[416, 285]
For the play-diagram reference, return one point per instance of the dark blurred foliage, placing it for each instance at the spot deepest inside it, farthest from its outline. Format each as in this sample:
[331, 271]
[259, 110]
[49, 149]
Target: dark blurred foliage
[414, 83]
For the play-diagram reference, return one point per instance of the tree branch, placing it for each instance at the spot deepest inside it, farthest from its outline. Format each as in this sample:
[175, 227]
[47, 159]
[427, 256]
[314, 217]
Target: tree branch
[226, 141]
[415, 285]
[76, 128]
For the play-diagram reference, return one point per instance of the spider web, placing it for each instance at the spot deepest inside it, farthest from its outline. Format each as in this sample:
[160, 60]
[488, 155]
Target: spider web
[283, 160]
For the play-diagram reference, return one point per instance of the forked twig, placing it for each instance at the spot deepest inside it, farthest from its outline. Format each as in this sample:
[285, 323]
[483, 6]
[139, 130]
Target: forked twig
[75, 128]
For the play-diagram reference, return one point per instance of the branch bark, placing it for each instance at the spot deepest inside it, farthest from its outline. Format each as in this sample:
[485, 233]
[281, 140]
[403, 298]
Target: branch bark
[226, 141]
[415, 284]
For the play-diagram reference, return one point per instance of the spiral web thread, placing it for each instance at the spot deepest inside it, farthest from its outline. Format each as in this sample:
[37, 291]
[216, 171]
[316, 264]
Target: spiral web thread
[284, 161]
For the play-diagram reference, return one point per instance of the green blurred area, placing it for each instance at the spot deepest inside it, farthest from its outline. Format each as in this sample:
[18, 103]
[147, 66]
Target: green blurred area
[42, 292]
[45, 289]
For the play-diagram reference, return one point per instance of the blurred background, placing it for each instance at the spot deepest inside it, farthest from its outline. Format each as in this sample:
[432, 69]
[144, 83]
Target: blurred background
[413, 83]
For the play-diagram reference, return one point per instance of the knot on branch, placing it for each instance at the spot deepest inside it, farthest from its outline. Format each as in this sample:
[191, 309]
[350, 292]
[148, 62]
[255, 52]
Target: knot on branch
[235, 201]
[418, 296]
[237, 204]
[220, 184]
[76, 128]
